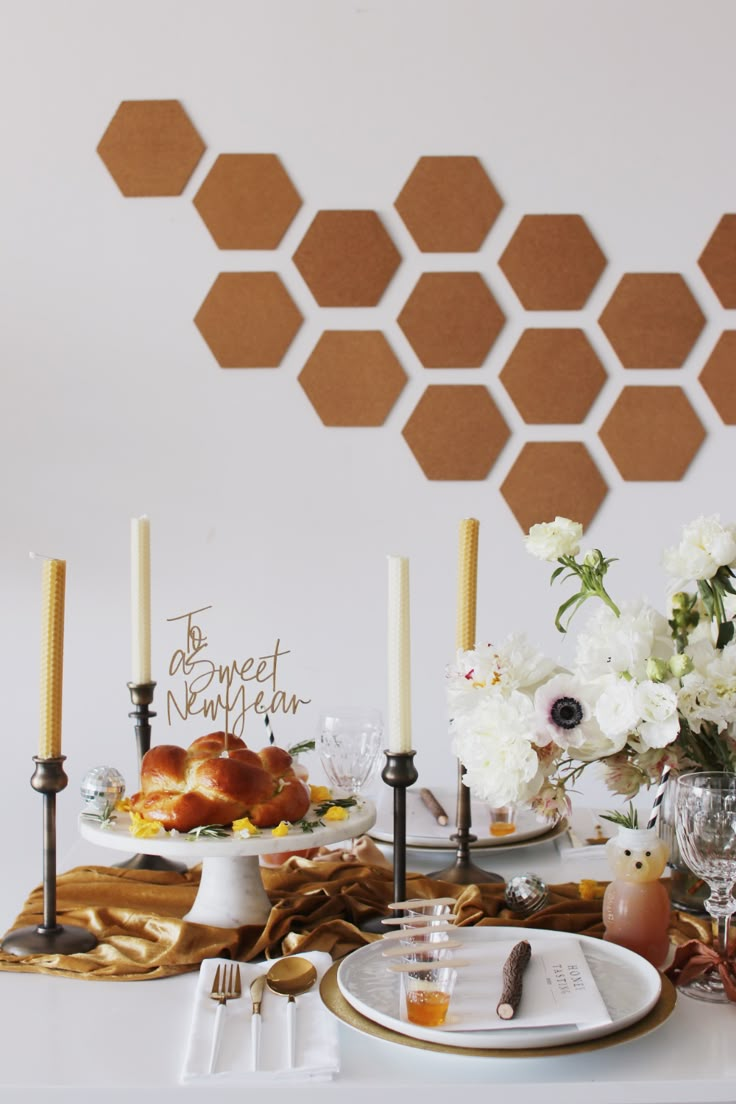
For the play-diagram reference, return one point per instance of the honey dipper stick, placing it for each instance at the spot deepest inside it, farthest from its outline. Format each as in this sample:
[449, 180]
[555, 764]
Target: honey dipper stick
[434, 806]
[513, 971]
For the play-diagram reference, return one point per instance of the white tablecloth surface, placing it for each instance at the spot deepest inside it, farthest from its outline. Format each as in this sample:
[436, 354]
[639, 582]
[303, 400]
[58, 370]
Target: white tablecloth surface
[78, 1041]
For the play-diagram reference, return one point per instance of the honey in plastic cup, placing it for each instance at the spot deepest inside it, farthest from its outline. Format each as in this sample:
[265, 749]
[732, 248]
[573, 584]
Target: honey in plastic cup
[502, 820]
[428, 993]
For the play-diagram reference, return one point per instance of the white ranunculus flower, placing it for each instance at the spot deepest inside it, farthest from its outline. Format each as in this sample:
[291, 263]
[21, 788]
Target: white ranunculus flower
[494, 744]
[657, 703]
[705, 545]
[616, 710]
[622, 645]
[551, 539]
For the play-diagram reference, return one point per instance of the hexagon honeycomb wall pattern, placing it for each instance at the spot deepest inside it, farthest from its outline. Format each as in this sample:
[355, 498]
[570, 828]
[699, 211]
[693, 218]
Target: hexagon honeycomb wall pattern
[248, 319]
[555, 375]
[652, 320]
[150, 148]
[553, 478]
[552, 262]
[451, 319]
[352, 378]
[347, 258]
[652, 433]
[456, 431]
[448, 204]
[247, 201]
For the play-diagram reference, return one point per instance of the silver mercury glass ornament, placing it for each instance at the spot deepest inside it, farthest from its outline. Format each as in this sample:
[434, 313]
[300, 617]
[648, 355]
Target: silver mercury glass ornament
[101, 789]
[526, 894]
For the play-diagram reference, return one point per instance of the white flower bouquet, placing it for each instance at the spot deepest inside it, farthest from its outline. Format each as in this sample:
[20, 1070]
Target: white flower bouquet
[647, 693]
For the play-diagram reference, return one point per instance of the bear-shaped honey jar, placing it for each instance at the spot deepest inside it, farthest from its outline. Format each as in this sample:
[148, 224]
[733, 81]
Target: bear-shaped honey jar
[636, 905]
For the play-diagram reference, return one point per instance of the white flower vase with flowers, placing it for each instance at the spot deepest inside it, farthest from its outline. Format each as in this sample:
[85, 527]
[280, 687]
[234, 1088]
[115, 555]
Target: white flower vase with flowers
[646, 694]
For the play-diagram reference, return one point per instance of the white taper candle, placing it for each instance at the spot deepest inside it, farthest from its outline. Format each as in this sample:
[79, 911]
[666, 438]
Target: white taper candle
[399, 656]
[140, 598]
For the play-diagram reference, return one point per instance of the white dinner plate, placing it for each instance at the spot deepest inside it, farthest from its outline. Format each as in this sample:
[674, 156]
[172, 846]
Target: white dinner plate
[423, 831]
[629, 985]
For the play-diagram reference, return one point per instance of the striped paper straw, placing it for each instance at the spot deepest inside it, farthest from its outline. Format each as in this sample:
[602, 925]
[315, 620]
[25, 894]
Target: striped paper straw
[659, 797]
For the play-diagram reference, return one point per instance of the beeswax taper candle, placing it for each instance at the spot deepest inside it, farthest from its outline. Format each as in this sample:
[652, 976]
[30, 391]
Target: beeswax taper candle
[467, 584]
[399, 656]
[140, 598]
[53, 584]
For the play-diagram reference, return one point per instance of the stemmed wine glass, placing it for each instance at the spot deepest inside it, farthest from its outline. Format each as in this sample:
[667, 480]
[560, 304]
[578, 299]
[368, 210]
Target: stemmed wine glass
[348, 744]
[705, 822]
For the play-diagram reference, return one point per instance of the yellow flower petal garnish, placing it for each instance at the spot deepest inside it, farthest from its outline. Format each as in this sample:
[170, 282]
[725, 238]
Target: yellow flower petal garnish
[281, 829]
[319, 794]
[336, 812]
[245, 825]
[123, 805]
[142, 828]
[590, 890]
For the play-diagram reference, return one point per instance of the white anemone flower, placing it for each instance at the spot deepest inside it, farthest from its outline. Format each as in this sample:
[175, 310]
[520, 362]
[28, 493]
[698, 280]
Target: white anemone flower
[565, 712]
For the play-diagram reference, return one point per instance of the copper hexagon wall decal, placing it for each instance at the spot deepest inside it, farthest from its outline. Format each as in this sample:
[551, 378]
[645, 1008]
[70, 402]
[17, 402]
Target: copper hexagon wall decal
[248, 319]
[718, 377]
[553, 376]
[150, 148]
[448, 204]
[247, 201]
[718, 261]
[451, 319]
[652, 433]
[553, 478]
[652, 320]
[456, 431]
[352, 378]
[347, 258]
[552, 262]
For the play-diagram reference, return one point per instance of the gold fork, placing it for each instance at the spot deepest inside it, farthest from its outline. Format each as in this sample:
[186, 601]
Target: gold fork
[225, 987]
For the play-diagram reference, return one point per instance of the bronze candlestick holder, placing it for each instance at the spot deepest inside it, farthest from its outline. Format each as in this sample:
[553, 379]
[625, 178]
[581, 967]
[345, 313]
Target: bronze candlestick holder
[49, 937]
[141, 695]
[399, 773]
[463, 871]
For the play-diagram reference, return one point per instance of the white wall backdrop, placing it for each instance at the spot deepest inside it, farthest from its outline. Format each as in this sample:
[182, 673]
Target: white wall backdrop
[113, 405]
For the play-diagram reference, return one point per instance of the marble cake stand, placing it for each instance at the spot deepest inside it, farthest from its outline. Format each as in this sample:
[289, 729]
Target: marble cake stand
[231, 892]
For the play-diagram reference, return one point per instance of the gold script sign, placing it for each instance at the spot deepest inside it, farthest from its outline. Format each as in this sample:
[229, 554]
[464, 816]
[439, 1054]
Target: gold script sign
[224, 692]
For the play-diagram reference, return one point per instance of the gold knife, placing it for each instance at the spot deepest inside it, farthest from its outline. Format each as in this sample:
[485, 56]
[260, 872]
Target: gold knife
[256, 996]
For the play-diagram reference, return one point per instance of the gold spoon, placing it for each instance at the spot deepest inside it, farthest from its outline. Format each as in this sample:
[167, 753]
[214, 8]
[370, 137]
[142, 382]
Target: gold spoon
[290, 977]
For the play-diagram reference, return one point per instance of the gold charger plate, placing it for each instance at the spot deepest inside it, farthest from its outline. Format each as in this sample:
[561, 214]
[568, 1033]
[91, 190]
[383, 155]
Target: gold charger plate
[343, 1010]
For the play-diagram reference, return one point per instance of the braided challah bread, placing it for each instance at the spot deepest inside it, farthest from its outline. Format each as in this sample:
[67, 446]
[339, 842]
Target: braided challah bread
[184, 788]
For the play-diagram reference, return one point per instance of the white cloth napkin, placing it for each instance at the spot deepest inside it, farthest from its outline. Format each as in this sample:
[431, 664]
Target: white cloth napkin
[317, 1049]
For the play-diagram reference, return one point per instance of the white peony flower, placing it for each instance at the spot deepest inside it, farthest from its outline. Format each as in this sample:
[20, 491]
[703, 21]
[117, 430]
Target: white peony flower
[486, 669]
[622, 645]
[551, 539]
[494, 744]
[705, 545]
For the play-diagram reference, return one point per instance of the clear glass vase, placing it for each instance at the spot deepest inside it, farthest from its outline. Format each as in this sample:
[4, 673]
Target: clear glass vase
[688, 891]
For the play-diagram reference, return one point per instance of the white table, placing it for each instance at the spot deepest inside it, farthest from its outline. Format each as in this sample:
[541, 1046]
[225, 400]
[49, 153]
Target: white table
[70, 1040]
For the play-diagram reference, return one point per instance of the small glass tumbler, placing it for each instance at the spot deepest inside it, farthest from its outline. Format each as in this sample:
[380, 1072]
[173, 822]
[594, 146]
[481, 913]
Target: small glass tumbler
[502, 820]
[428, 993]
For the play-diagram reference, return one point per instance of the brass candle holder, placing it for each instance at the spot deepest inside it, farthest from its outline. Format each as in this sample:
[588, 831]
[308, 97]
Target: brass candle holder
[463, 871]
[49, 937]
[141, 695]
[399, 773]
